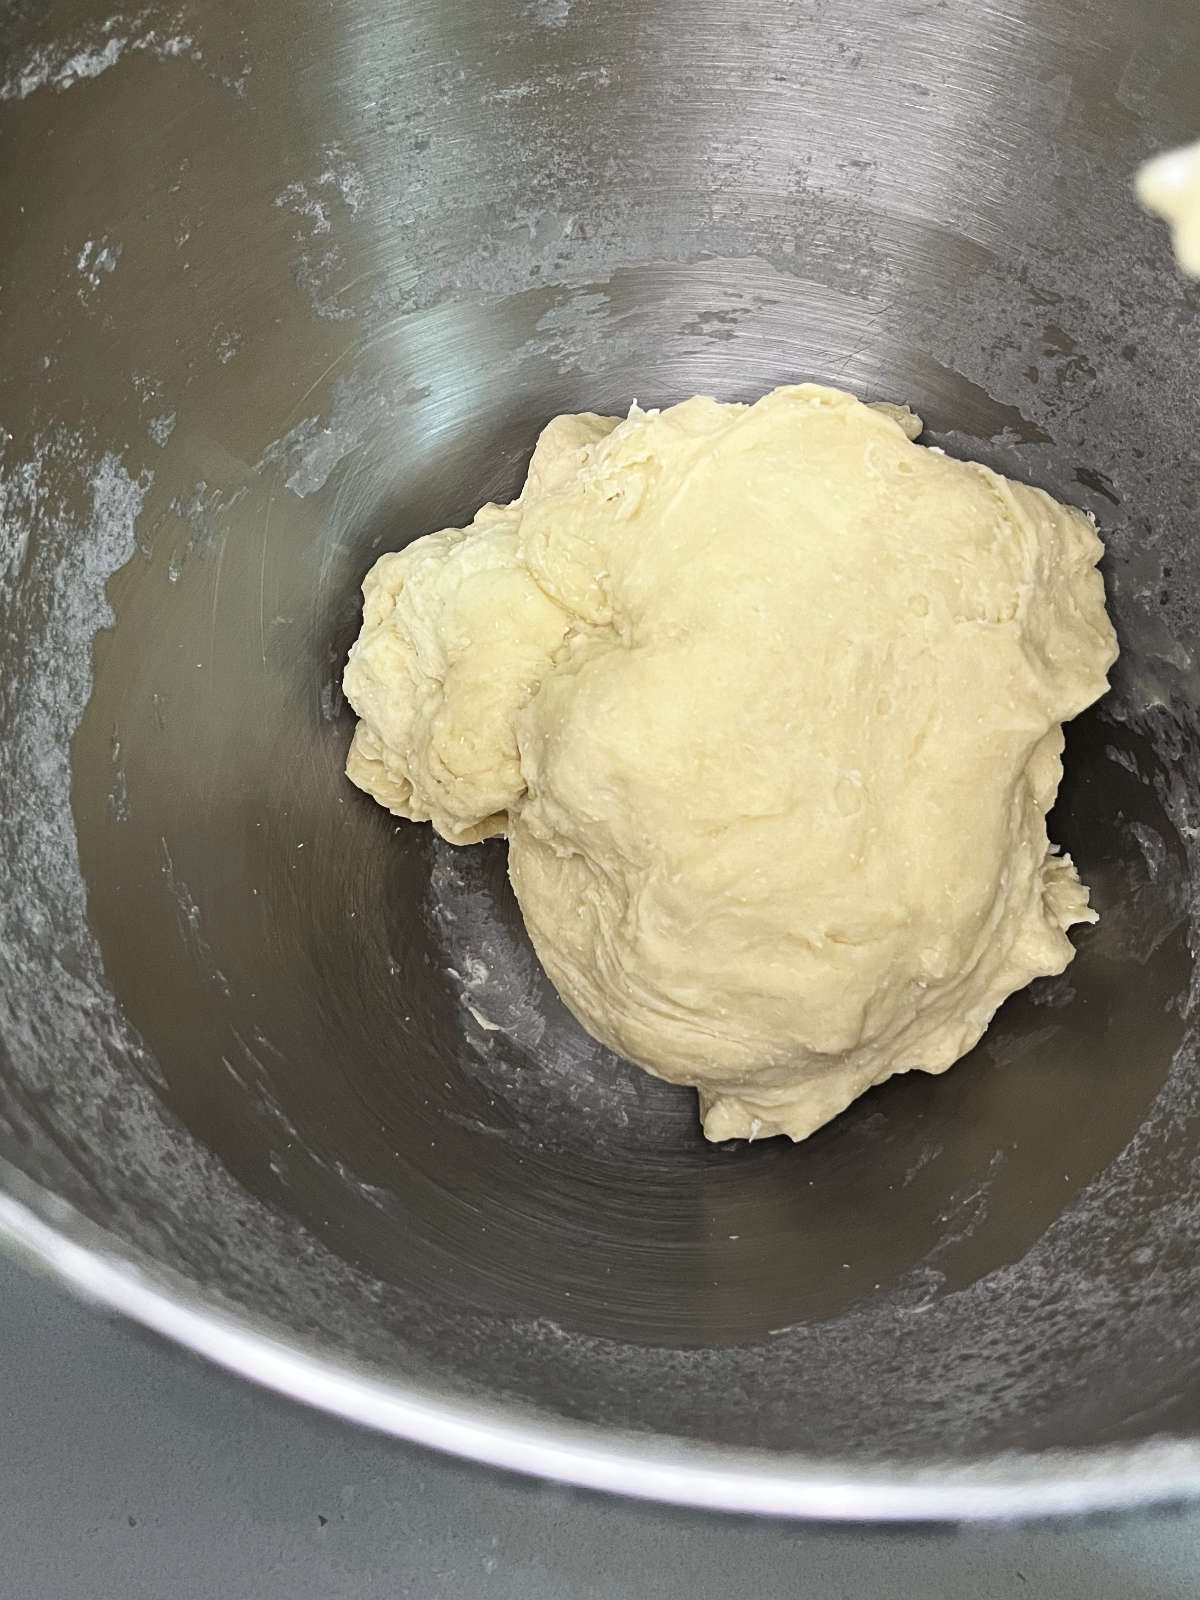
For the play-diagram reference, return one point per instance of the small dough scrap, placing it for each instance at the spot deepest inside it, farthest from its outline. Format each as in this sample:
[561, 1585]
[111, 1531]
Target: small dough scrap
[768, 701]
[1169, 185]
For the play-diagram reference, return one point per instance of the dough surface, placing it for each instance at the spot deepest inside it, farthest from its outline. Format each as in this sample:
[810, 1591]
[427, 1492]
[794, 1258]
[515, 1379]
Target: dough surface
[768, 701]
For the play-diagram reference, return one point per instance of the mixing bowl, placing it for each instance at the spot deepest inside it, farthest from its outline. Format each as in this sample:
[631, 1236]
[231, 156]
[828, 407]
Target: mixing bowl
[285, 286]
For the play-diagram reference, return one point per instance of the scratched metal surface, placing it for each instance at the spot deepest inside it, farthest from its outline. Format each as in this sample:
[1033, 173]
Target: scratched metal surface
[285, 288]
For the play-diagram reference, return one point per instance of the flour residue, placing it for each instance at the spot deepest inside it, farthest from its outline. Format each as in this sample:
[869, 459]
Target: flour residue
[96, 260]
[69, 509]
[203, 514]
[334, 196]
[361, 409]
[517, 1037]
[87, 54]
[314, 200]
[549, 13]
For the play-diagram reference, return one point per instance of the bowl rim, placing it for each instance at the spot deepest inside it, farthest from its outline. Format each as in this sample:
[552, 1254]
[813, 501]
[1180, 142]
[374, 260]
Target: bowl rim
[48, 1233]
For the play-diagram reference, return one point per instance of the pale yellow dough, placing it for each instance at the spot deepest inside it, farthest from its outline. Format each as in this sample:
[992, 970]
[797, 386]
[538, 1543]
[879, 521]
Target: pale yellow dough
[1169, 185]
[768, 700]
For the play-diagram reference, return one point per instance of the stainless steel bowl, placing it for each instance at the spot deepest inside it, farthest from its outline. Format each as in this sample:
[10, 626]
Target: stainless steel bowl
[285, 286]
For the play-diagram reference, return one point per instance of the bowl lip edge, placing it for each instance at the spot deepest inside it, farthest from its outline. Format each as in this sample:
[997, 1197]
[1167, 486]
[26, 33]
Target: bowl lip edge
[1009, 1487]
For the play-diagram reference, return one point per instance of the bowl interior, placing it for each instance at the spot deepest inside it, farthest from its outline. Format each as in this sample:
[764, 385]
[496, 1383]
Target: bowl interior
[323, 307]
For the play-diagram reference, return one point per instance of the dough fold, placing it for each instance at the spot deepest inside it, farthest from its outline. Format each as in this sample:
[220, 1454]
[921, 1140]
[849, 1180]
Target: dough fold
[768, 701]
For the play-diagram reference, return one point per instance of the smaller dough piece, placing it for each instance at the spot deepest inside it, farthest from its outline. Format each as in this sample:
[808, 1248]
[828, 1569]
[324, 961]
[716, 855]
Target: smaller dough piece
[768, 701]
[1169, 185]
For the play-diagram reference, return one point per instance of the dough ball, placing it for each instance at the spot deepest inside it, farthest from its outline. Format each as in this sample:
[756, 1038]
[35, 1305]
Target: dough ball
[768, 701]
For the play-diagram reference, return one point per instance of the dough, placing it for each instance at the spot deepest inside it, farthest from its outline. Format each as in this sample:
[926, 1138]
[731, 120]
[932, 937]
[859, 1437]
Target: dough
[1169, 185]
[767, 700]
